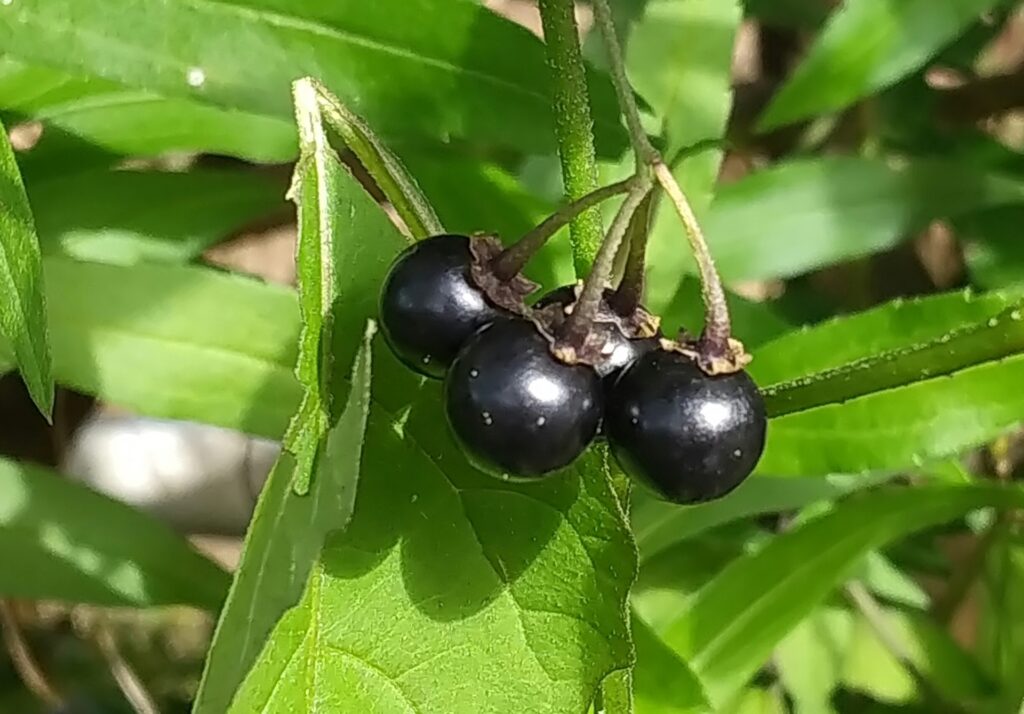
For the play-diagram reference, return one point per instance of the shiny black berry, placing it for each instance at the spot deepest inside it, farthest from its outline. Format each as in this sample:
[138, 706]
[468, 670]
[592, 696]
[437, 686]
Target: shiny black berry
[429, 305]
[688, 436]
[516, 410]
[619, 350]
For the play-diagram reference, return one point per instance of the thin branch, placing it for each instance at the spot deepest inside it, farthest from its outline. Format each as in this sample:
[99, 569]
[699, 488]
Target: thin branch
[127, 680]
[24, 662]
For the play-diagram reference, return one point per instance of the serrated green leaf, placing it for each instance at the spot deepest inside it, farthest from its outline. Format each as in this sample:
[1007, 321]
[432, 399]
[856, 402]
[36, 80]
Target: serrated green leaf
[731, 626]
[474, 578]
[22, 301]
[438, 68]
[866, 46]
[128, 216]
[680, 58]
[134, 122]
[804, 214]
[59, 540]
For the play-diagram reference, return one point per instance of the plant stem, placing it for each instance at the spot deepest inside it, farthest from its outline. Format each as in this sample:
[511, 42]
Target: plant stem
[574, 332]
[573, 123]
[515, 257]
[715, 341]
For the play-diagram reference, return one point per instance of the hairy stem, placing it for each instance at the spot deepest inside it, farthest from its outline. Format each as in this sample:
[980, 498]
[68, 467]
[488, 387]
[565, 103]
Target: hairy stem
[515, 257]
[574, 332]
[573, 124]
[630, 292]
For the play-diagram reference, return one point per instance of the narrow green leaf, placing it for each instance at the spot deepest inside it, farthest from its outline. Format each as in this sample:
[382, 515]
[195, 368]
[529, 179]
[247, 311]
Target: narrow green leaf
[730, 628]
[22, 302]
[969, 345]
[59, 540]
[801, 215]
[133, 122]
[680, 58]
[128, 216]
[398, 187]
[895, 325]
[345, 246]
[868, 45]
[1001, 623]
[437, 68]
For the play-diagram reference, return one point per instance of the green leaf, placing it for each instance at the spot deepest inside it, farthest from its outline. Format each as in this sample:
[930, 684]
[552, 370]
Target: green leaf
[345, 246]
[437, 68]
[133, 122]
[902, 407]
[22, 302]
[447, 576]
[1001, 623]
[59, 540]
[128, 216]
[398, 187]
[993, 248]
[810, 658]
[868, 45]
[804, 214]
[892, 326]
[177, 342]
[680, 58]
[734, 622]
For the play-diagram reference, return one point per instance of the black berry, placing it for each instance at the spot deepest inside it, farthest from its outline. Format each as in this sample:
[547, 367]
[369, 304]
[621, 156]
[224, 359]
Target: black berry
[516, 410]
[619, 350]
[429, 305]
[688, 436]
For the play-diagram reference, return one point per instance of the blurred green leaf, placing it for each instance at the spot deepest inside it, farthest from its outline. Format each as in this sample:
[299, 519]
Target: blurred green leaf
[345, 246]
[756, 322]
[680, 58]
[437, 68]
[176, 342]
[134, 122]
[810, 658]
[658, 524]
[805, 214]
[787, 13]
[128, 216]
[994, 247]
[866, 46]
[755, 701]
[735, 621]
[1001, 618]
[22, 302]
[59, 540]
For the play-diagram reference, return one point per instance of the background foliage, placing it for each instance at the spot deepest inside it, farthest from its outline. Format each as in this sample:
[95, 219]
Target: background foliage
[857, 168]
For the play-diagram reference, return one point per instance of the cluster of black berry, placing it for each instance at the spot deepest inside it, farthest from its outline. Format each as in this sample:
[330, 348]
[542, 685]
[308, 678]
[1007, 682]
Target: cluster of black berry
[521, 408]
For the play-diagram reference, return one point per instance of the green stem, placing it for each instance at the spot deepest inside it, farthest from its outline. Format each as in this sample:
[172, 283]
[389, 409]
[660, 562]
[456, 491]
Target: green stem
[514, 258]
[573, 124]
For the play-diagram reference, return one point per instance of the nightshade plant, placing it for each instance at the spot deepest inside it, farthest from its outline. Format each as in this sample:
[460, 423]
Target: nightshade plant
[537, 457]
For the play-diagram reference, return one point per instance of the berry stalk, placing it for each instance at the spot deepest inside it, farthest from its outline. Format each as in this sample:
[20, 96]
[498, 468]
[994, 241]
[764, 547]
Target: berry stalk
[514, 258]
[718, 352]
[572, 337]
[630, 292]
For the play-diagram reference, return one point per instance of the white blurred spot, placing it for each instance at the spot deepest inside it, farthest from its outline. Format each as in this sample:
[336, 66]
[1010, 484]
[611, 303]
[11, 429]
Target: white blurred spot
[196, 76]
[715, 413]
